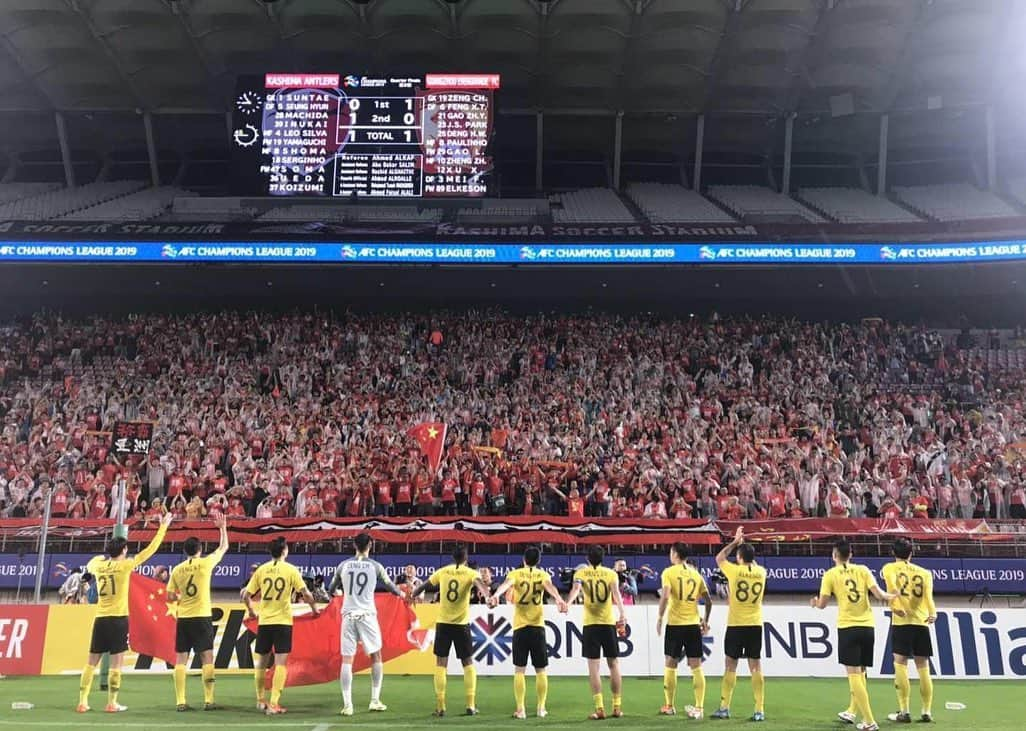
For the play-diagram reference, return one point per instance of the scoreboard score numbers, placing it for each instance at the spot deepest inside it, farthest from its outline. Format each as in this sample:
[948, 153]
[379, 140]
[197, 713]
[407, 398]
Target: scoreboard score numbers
[345, 135]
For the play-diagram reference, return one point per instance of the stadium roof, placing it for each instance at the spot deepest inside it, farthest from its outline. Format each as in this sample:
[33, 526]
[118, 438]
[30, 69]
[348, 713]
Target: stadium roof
[740, 58]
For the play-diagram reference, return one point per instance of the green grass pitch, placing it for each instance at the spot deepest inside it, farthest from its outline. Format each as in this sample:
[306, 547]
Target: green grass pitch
[790, 704]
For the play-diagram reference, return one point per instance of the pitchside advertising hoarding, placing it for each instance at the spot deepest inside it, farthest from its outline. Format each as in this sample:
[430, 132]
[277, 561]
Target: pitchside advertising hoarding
[786, 574]
[798, 642]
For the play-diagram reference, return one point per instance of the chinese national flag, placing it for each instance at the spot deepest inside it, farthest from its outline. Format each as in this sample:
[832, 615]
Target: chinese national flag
[431, 437]
[317, 641]
[151, 619]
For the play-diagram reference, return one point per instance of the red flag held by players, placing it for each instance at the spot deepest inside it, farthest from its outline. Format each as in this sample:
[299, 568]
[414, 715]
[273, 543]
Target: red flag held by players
[151, 619]
[317, 641]
[430, 435]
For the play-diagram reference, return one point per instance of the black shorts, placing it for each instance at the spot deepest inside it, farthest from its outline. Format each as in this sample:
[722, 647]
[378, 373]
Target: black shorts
[911, 640]
[453, 636]
[855, 646]
[530, 641]
[743, 642]
[683, 640]
[195, 634]
[110, 634]
[599, 640]
[276, 637]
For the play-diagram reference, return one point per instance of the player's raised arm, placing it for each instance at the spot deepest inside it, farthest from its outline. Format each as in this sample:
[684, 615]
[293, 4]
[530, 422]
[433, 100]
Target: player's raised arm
[724, 555]
[222, 546]
[147, 553]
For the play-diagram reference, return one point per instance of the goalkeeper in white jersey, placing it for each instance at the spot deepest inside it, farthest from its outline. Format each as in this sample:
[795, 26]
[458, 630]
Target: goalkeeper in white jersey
[357, 578]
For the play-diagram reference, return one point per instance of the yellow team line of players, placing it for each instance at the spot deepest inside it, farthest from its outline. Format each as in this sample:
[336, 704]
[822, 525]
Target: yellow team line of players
[909, 590]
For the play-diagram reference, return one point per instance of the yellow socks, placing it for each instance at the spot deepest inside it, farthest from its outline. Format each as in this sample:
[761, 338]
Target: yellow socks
[851, 696]
[260, 683]
[541, 687]
[860, 693]
[85, 685]
[113, 686]
[759, 691]
[727, 689]
[926, 689]
[441, 680]
[208, 683]
[180, 685]
[519, 689]
[600, 705]
[698, 680]
[669, 687]
[281, 674]
[617, 701]
[470, 685]
[902, 687]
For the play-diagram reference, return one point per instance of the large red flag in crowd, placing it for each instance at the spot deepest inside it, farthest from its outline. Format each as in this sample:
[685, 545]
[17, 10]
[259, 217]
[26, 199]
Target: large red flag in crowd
[151, 625]
[317, 641]
[430, 435]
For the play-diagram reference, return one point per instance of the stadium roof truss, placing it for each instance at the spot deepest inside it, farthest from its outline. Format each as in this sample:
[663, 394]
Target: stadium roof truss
[735, 58]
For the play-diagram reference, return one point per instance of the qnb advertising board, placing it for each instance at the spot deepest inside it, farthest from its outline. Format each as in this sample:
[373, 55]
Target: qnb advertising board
[797, 642]
[346, 135]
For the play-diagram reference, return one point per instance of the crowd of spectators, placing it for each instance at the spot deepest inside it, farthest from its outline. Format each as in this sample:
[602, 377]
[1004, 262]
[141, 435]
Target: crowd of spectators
[306, 414]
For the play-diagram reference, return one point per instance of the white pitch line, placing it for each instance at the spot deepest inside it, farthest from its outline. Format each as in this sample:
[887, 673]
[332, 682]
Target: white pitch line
[277, 724]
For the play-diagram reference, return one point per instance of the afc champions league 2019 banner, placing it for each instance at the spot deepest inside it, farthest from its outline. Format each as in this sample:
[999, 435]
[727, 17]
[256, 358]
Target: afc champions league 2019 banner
[786, 574]
[186, 250]
[798, 642]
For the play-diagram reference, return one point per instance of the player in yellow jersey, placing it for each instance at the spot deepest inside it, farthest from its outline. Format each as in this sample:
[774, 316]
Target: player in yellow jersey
[452, 631]
[112, 574]
[529, 584]
[912, 613]
[746, 586]
[682, 588]
[852, 584]
[189, 585]
[274, 582]
[601, 589]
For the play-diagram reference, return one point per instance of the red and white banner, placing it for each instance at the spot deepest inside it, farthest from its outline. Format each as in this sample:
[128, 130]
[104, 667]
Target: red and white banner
[519, 529]
[804, 529]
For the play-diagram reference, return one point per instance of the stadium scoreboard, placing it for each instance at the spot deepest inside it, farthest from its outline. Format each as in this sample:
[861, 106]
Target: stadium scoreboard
[344, 135]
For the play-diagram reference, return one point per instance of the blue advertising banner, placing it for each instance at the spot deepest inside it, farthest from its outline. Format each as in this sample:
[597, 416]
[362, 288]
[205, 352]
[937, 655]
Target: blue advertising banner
[785, 574]
[534, 254]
